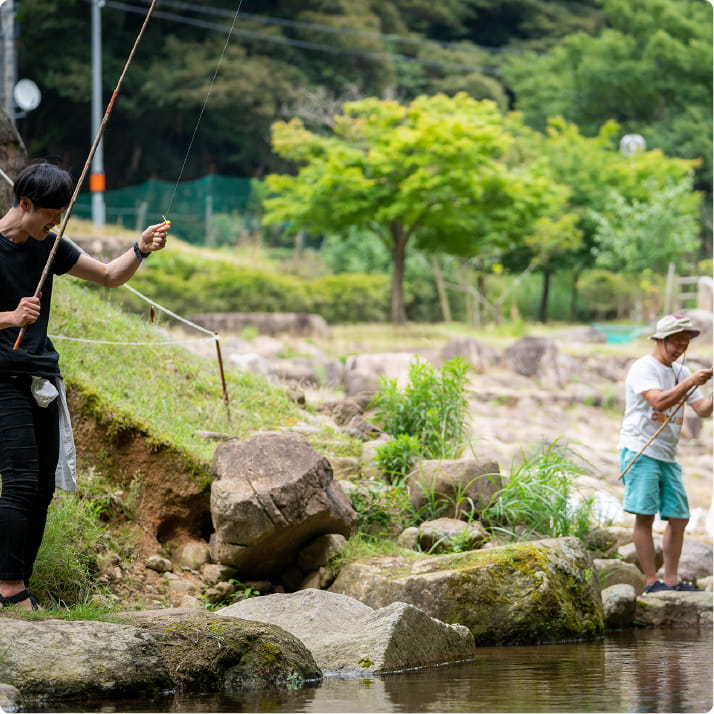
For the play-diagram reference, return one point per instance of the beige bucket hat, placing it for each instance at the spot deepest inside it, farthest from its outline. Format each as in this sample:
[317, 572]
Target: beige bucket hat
[672, 324]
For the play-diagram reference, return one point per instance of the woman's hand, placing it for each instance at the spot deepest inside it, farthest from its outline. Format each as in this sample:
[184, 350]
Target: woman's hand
[154, 237]
[26, 312]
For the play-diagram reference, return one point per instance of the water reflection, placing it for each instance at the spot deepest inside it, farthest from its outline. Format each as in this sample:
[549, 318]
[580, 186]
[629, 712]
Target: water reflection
[632, 671]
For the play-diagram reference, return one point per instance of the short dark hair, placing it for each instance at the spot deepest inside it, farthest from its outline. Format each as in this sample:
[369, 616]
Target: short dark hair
[46, 185]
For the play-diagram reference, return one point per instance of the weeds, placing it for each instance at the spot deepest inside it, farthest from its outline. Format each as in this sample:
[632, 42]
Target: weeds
[432, 408]
[540, 498]
[66, 565]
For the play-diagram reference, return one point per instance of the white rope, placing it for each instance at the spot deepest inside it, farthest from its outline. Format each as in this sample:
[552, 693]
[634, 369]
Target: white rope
[168, 312]
[134, 344]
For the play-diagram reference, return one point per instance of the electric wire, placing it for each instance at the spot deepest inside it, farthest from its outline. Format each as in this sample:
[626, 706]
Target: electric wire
[330, 29]
[277, 39]
[203, 106]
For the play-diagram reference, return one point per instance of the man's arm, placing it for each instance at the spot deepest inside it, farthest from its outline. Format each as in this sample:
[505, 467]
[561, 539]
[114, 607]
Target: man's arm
[702, 407]
[661, 399]
[119, 270]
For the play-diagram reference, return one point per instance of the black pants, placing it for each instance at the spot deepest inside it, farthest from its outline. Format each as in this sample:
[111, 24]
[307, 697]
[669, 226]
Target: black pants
[29, 450]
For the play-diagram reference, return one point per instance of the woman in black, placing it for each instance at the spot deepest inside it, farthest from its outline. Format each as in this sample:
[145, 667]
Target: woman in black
[29, 432]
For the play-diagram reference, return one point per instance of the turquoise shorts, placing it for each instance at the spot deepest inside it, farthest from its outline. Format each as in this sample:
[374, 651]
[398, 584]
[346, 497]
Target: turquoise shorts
[653, 486]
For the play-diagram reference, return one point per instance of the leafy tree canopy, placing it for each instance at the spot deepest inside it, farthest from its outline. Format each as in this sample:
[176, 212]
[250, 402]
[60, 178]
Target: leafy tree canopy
[436, 172]
[650, 70]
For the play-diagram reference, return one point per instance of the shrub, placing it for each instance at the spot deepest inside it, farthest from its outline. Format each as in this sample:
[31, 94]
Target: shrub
[397, 457]
[433, 407]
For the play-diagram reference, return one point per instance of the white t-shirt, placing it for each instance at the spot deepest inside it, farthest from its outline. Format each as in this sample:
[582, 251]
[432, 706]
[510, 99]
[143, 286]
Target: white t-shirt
[641, 421]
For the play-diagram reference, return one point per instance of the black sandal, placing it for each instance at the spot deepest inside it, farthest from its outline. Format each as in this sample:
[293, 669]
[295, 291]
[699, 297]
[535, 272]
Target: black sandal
[19, 597]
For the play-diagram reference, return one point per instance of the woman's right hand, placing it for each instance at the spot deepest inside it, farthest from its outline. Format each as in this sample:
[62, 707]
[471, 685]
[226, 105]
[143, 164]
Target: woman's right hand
[26, 312]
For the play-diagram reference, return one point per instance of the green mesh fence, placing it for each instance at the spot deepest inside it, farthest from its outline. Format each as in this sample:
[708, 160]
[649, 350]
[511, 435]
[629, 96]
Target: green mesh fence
[208, 211]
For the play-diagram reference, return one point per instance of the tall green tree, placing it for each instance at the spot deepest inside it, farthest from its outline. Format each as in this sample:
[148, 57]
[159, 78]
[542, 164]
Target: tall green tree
[437, 173]
[650, 70]
[597, 176]
[634, 236]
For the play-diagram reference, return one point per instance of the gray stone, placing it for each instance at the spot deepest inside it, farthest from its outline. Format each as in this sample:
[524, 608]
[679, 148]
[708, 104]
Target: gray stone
[614, 571]
[523, 593]
[345, 467]
[445, 535]
[539, 357]
[159, 564]
[10, 698]
[478, 355]
[319, 551]
[347, 637]
[409, 538]
[59, 659]
[206, 652]
[466, 485]
[193, 554]
[274, 494]
[672, 608]
[696, 560]
[629, 555]
[619, 603]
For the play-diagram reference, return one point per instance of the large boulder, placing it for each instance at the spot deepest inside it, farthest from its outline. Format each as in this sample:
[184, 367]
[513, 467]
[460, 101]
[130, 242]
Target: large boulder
[539, 357]
[206, 652]
[479, 356]
[466, 485]
[59, 659]
[523, 593]
[346, 636]
[273, 495]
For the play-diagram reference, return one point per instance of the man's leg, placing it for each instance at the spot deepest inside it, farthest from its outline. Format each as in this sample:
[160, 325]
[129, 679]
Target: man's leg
[644, 546]
[672, 541]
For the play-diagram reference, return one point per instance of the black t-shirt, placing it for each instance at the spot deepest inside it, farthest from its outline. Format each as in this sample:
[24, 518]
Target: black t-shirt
[21, 265]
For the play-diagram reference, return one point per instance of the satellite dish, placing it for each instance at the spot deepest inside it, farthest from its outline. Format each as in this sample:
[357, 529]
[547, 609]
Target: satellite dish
[27, 95]
[632, 144]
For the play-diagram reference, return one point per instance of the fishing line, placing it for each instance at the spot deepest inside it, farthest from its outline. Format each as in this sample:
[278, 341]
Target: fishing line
[203, 107]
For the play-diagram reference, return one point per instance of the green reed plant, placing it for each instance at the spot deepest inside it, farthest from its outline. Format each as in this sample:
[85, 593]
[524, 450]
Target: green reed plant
[432, 407]
[541, 497]
[66, 565]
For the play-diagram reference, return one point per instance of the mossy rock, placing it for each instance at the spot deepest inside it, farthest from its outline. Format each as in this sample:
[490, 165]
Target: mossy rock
[208, 652]
[524, 593]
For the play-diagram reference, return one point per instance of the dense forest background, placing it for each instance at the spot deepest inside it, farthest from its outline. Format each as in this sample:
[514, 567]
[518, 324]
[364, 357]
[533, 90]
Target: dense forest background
[645, 63]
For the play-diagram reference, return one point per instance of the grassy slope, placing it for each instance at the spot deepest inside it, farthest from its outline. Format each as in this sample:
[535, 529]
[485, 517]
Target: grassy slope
[163, 390]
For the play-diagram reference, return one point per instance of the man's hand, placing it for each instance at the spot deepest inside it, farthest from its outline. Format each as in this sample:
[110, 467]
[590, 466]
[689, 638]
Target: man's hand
[700, 377]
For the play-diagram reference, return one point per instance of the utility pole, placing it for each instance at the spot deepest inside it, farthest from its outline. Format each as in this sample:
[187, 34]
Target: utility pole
[9, 65]
[97, 181]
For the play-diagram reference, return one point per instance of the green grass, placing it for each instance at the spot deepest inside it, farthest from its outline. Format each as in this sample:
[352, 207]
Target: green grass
[164, 391]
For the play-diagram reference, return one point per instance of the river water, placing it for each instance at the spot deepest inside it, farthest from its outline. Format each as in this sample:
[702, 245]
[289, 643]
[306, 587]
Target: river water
[630, 671]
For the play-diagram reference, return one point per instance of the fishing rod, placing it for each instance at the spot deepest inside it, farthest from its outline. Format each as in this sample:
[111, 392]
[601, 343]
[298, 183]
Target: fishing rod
[85, 170]
[680, 404]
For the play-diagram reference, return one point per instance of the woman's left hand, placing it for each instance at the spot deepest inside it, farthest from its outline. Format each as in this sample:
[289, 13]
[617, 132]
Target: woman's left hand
[154, 237]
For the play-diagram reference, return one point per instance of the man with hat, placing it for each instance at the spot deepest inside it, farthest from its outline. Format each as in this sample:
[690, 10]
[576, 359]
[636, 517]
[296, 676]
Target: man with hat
[655, 388]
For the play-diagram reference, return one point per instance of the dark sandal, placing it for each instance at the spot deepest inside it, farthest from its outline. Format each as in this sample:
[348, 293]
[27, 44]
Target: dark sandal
[19, 597]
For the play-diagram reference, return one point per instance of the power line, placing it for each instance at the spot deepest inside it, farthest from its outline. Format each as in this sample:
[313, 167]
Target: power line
[276, 39]
[321, 27]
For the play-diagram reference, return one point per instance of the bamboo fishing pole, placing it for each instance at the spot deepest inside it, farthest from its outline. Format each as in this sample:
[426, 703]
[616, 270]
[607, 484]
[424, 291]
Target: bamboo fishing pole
[659, 430]
[85, 170]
